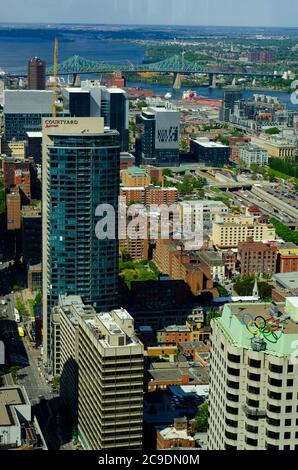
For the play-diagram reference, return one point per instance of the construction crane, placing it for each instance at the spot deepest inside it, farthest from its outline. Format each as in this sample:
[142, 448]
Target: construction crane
[54, 110]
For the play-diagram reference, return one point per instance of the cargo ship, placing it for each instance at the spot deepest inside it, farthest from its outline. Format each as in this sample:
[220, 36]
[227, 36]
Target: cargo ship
[192, 96]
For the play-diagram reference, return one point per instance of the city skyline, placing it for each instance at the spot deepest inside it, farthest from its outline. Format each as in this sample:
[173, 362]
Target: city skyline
[264, 13]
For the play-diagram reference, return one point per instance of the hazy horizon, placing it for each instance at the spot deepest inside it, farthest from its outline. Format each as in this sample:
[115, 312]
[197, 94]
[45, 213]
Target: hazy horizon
[200, 13]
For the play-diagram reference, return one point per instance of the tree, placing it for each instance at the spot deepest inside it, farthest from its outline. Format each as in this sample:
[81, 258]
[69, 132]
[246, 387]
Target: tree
[272, 131]
[202, 418]
[38, 300]
[211, 315]
[14, 371]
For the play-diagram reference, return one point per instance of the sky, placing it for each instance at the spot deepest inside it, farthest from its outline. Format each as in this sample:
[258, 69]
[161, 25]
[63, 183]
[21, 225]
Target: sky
[172, 12]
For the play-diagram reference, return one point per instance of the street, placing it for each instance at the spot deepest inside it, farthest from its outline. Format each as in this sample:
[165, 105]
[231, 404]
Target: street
[46, 404]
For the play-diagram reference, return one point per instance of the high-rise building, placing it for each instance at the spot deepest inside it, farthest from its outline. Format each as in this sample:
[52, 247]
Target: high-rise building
[36, 74]
[228, 104]
[76, 102]
[95, 100]
[80, 171]
[114, 110]
[158, 137]
[100, 360]
[23, 111]
[254, 382]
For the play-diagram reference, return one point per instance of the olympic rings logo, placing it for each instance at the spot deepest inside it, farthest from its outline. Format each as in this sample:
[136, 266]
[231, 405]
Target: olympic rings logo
[271, 329]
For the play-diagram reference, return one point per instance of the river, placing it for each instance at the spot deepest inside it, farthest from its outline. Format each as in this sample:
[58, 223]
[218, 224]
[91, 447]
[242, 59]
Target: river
[15, 52]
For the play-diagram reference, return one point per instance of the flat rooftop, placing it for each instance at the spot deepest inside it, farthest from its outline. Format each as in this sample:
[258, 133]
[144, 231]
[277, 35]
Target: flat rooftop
[210, 144]
[232, 326]
[9, 398]
[287, 280]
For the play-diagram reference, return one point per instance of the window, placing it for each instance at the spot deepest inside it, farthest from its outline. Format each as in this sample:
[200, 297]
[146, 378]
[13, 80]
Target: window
[232, 424]
[274, 395]
[275, 382]
[252, 429]
[288, 422]
[231, 410]
[254, 363]
[290, 368]
[276, 369]
[234, 398]
[287, 435]
[234, 385]
[274, 409]
[290, 383]
[251, 442]
[234, 358]
[231, 436]
[289, 396]
[288, 409]
[253, 403]
[254, 377]
[273, 435]
[235, 372]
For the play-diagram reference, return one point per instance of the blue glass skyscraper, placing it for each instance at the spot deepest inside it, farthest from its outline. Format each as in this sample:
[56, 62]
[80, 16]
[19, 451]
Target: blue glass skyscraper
[81, 162]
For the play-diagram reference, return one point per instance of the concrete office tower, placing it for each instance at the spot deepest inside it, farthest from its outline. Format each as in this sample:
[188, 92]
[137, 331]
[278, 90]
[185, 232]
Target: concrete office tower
[36, 74]
[158, 137]
[23, 112]
[114, 110]
[81, 162]
[100, 360]
[253, 399]
[94, 100]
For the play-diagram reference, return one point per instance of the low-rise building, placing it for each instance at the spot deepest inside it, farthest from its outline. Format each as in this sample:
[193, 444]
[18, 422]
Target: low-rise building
[288, 259]
[210, 153]
[18, 428]
[277, 148]
[179, 435]
[135, 177]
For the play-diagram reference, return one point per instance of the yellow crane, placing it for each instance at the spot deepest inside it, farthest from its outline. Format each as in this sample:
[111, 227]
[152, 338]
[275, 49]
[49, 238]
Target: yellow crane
[55, 85]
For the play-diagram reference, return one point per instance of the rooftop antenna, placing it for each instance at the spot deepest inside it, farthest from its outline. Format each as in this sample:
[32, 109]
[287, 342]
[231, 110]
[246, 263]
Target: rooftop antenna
[54, 109]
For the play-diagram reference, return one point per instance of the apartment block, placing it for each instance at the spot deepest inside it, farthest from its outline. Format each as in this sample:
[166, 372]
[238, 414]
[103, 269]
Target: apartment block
[101, 366]
[228, 231]
[253, 399]
[253, 155]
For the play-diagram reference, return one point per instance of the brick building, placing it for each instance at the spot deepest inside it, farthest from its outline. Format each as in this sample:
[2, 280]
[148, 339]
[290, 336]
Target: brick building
[178, 435]
[288, 260]
[13, 207]
[172, 260]
[257, 258]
